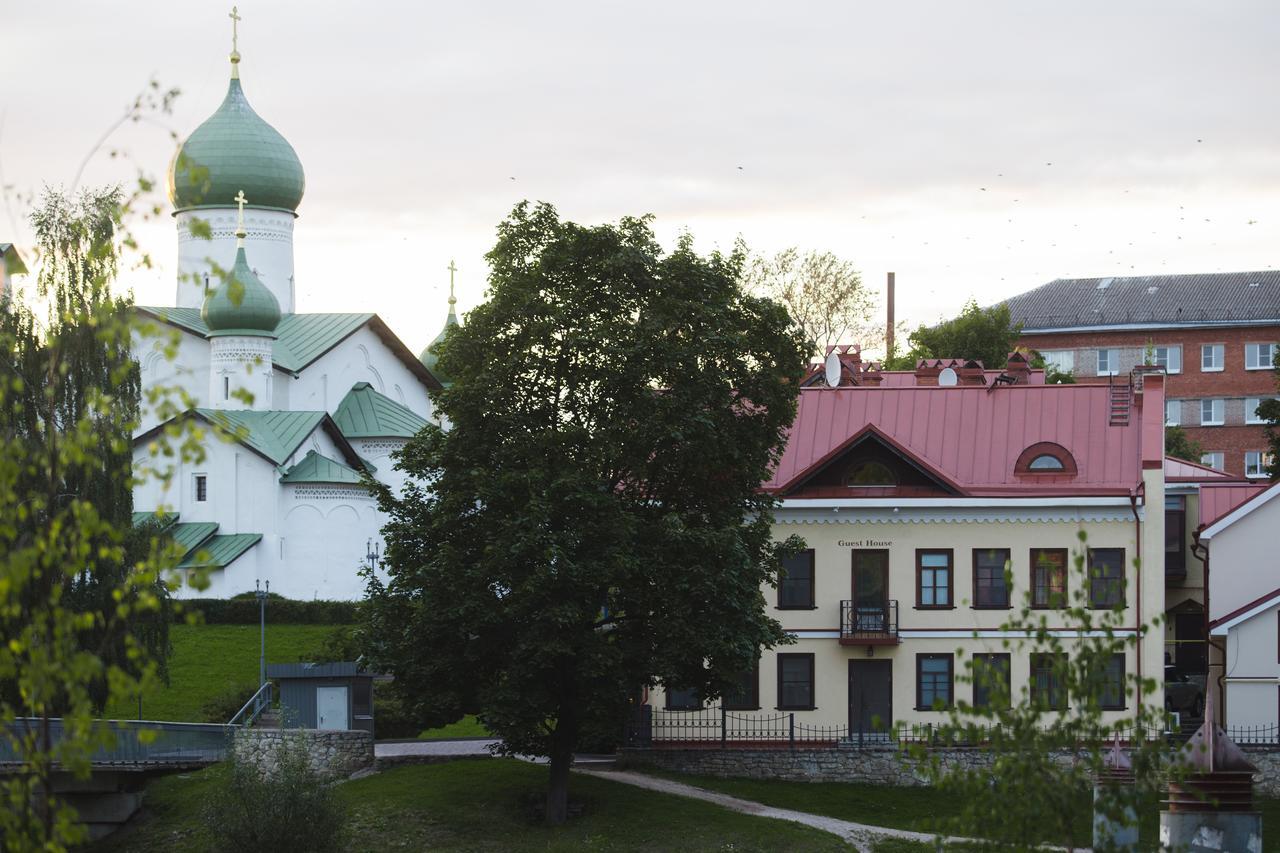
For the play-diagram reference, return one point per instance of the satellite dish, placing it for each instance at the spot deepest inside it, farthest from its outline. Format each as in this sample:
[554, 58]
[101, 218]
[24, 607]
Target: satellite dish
[947, 376]
[833, 369]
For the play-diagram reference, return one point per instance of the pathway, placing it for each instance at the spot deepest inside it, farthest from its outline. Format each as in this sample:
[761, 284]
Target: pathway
[433, 748]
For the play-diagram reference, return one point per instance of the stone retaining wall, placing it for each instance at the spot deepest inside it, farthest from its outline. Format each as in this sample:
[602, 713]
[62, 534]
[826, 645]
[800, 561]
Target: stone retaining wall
[333, 754]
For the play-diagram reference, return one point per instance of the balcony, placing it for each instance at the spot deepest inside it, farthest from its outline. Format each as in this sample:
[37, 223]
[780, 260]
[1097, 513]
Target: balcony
[869, 625]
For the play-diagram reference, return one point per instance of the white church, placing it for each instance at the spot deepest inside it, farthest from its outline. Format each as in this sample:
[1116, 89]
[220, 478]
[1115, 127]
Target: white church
[311, 399]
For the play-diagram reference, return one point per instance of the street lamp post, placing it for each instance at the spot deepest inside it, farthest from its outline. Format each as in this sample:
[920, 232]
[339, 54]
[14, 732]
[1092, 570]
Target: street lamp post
[261, 595]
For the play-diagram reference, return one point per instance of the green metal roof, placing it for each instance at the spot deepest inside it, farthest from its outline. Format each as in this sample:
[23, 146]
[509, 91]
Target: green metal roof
[241, 303]
[190, 535]
[276, 435]
[168, 519]
[364, 413]
[236, 150]
[221, 550]
[315, 468]
[428, 356]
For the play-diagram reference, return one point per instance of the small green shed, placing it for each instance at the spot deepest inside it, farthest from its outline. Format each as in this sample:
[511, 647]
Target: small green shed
[324, 695]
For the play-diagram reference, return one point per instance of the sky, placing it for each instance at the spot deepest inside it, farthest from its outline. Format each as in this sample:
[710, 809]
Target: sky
[977, 149]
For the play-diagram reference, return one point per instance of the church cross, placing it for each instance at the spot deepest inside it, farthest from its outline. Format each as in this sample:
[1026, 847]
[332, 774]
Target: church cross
[452, 269]
[235, 19]
[240, 201]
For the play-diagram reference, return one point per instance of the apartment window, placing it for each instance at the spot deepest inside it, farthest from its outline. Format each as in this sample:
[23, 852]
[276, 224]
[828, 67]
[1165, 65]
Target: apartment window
[1259, 356]
[1251, 405]
[744, 695]
[1169, 357]
[934, 682]
[1211, 357]
[990, 586]
[1213, 412]
[795, 682]
[1108, 362]
[991, 688]
[1175, 535]
[795, 586]
[684, 700]
[1214, 460]
[202, 487]
[1063, 360]
[1048, 578]
[1111, 692]
[1255, 463]
[1106, 577]
[1172, 412]
[1047, 688]
[933, 579]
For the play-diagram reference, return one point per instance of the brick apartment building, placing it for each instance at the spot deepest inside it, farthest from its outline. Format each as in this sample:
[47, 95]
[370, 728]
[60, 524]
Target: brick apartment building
[1215, 334]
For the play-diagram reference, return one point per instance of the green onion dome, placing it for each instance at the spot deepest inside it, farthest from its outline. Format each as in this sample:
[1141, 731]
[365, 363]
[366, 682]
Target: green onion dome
[428, 357]
[235, 150]
[241, 304]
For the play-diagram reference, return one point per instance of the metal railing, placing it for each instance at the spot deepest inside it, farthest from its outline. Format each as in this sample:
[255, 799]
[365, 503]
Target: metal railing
[1260, 735]
[134, 742]
[258, 702]
[869, 622]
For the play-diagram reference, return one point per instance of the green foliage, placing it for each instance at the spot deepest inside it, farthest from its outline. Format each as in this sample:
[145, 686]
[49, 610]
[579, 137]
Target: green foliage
[289, 810]
[224, 705]
[280, 611]
[1052, 742]
[1269, 411]
[394, 717]
[823, 294]
[985, 334]
[1181, 446]
[592, 520]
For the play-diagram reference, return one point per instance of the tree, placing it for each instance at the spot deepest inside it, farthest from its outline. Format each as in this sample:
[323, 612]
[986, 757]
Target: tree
[1270, 412]
[984, 334]
[1181, 446]
[823, 293]
[591, 522]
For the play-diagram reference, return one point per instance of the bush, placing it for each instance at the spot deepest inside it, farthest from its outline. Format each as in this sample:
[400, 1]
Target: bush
[392, 718]
[223, 706]
[280, 611]
[291, 809]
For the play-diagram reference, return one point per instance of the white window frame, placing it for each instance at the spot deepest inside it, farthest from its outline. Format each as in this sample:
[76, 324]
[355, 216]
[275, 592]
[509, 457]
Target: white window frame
[1251, 405]
[1172, 357]
[195, 487]
[1112, 358]
[1174, 407]
[1218, 407]
[1256, 462]
[1214, 459]
[1217, 357]
[1064, 360]
[1254, 350]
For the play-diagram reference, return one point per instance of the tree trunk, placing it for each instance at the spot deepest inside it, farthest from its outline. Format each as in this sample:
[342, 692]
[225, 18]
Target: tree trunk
[562, 744]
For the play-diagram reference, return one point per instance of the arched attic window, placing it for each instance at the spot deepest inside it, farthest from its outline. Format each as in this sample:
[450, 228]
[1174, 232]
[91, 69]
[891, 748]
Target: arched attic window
[1046, 457]
[870, 473]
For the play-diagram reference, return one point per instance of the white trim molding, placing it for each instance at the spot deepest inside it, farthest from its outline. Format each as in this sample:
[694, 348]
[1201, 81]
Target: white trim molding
[954, 510]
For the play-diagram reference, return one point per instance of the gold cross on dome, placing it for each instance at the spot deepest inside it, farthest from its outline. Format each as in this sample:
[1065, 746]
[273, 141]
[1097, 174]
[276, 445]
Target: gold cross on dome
[452, 269]
[235, 19]
[240, 201]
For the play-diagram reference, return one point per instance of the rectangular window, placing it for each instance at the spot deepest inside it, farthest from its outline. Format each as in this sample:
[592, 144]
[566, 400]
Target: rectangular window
[1215, 460]
[933, 682]
[684, 700]
[1111, 692]
[1175, 536]
[795, 682]
[1048, 578]
[1063, 360]
[202, 487]
[1251, 405]
[1047, 690]
[1211, 356]
[1108, 362]
[1169, 357]
[991, 688]
[745, 693]
[795, 586]
[1172, 412]
[1256, 463]
[1259, 356]
[1213, 412]
[933, 579]
[990, 586]
[1106, 577]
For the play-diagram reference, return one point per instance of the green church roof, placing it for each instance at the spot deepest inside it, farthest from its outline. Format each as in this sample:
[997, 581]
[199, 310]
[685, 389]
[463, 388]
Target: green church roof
[190, 535]
[235, 150]
[315, 468]
[220, 551]
[241, 304]
[430, 360]
[275, 435]
[364, 413]
[166, 520]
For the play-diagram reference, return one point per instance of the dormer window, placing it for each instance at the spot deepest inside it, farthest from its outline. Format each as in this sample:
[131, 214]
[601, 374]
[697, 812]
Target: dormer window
[870, 473]
[1046, 457]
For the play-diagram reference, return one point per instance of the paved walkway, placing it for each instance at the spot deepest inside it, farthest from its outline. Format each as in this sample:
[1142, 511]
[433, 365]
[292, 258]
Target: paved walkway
[401, 749]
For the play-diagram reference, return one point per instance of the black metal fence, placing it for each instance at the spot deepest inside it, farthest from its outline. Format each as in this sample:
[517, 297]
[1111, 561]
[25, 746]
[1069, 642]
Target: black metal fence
[871, 622]
[1262, 735]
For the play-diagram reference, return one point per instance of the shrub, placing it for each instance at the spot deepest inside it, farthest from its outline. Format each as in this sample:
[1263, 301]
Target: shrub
[280, 611]
[224, 705]
[392, 717]
[288, 809]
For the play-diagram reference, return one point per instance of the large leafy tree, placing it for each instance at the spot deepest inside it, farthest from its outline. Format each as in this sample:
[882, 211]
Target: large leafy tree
[985, 334]
[1270, 412]
[823, 293]
[1179, 445]
[591, 521]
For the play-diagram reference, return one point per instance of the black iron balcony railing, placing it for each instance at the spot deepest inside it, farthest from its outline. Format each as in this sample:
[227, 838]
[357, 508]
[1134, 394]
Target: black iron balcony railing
[868, 624]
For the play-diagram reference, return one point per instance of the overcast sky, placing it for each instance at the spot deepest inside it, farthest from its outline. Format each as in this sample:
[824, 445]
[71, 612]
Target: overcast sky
[977, 148]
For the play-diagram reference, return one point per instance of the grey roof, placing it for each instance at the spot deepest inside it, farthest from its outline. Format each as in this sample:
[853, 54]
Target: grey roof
[1150, 301]
[339, 669]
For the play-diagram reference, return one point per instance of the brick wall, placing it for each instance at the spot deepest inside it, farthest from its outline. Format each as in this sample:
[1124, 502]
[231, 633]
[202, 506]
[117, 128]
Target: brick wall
[1233, 383]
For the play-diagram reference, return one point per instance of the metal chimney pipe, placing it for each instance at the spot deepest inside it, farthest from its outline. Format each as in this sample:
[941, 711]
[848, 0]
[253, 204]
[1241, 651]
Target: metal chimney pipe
[888, 332]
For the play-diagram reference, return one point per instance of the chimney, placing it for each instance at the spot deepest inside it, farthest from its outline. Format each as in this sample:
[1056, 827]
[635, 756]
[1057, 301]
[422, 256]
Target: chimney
[888, 332]
[1018, 369]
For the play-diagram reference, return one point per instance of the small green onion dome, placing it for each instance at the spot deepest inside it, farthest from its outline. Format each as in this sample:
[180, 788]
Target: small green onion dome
[241, 304]
[428, 357]
[235, 150]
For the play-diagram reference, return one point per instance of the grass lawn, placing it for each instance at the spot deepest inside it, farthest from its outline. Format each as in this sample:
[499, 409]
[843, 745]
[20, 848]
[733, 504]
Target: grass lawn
[209, 660]
[468, 726]
[483, 806]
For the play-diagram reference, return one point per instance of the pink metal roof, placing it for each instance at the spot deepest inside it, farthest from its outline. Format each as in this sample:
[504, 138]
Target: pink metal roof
[1216, 500]
[972, 437]
[1180, 470]
[907, 378]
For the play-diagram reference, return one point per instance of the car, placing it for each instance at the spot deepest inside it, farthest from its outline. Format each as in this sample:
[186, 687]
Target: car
[1183, 692]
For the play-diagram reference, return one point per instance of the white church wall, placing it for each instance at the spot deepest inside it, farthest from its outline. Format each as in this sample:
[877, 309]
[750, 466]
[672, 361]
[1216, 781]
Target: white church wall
[268, 246]
[326, 534]
[362, 357]
[188, 369]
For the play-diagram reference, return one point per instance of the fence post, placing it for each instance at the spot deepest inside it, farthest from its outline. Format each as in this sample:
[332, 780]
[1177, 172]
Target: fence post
[724, 735]
[791, 726]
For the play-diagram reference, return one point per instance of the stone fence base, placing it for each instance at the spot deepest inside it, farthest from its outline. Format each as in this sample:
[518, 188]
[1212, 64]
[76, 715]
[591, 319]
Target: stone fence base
[877, 765]
[332, 754]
